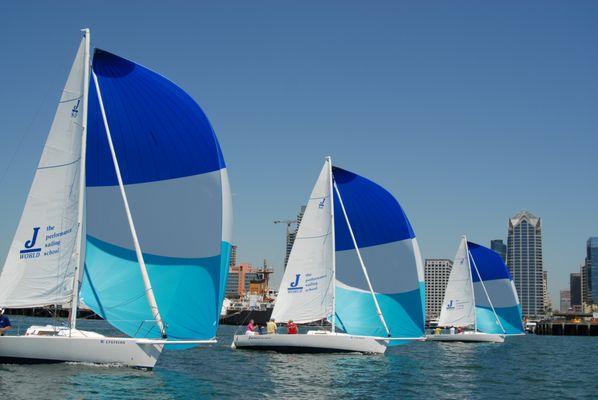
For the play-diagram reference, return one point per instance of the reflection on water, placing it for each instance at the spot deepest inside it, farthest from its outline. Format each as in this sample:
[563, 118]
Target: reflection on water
[530, 367]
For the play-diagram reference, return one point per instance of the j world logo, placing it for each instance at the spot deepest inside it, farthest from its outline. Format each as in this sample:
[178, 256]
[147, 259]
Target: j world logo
[30, 251]
[294, 286]
[75, 110]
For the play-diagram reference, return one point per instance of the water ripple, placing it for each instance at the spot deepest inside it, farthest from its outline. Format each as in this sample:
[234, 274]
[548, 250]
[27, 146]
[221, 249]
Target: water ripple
[530, 367]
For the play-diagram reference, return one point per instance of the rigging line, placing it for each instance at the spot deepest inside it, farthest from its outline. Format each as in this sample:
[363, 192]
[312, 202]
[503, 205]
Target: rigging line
[24, 136]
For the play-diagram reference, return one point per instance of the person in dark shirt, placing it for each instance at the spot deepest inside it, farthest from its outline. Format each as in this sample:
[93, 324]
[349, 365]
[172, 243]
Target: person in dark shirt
[4, 323]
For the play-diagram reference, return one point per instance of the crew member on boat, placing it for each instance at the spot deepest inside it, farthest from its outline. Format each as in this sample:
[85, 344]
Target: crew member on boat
[250, 328]
[4, 323]
[292, 328]
[271, 327]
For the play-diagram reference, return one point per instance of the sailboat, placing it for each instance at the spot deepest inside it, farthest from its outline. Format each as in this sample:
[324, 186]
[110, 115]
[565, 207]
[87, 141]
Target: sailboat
[355, 262]
[480, 297]
[129, 212]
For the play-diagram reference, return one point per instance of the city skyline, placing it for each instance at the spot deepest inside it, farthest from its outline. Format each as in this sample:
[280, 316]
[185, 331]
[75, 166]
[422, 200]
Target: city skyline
[465, 120]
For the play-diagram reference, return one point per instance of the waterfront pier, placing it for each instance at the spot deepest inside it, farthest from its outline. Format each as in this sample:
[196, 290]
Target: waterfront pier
[569, 324]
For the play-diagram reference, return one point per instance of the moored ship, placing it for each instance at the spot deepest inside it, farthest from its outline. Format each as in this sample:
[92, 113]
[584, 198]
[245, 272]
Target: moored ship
[257, 303]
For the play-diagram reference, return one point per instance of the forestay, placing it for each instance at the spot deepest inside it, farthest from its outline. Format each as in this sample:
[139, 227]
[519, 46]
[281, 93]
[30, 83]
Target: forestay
[176, 183]
[305, 292]
[40, 266]
[458, 307]
[391, 256]
[496, 301]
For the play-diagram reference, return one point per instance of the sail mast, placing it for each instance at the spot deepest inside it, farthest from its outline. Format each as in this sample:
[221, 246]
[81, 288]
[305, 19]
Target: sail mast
[149, 292]
[475, 318]
[486, 292]
[365, 272]
[329, 160]
[80, 211]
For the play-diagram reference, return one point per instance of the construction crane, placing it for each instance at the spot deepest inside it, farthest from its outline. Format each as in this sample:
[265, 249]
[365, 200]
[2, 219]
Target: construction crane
[289, 223]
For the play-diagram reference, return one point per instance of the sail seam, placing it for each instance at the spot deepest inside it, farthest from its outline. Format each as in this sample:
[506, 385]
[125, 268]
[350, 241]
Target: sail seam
[60, 165]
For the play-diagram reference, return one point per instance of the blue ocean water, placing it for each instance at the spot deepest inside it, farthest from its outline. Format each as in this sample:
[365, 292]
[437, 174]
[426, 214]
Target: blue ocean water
[531, 367]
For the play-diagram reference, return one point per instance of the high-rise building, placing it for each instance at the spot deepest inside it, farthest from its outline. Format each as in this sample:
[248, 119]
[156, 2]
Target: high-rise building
[500, 247]
[233, 256]
[436, 272]
[592, 269]
[300, 215]
[292, 234]
[565, 300]
[524, 259]
[546, 292]
[575, 289]
[586, 297]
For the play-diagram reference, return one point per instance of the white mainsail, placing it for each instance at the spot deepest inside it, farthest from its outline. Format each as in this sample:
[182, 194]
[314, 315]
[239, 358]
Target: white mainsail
[39, 268]
[306, 292]
[458, 307]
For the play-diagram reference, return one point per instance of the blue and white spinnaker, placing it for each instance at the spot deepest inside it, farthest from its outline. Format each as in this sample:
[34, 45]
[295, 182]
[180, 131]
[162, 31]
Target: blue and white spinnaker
[480, 293]
[130, 212]
[391, 257]
[355, 261]
[177, 187]
[496, 301]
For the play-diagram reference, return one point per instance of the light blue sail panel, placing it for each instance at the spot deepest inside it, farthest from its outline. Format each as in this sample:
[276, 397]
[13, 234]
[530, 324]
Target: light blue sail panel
[509, 317]
[488, 267]
[390, 253]
[177, 187]
[356, 313]
[104, 291]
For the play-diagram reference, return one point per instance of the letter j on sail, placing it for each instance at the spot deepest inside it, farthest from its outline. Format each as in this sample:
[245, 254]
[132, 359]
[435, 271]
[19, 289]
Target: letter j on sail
[29, 244]
[295, 284]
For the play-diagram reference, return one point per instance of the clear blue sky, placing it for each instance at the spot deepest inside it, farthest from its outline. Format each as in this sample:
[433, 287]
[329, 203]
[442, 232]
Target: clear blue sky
[467, 111]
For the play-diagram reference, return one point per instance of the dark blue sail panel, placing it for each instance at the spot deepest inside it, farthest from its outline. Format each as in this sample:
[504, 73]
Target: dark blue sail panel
[376, 216]
[489, 264]
[159, 132]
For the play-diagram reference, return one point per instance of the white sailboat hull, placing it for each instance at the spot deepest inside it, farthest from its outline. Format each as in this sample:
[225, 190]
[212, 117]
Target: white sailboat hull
[312, 342]
[84, 347]
[467, 337]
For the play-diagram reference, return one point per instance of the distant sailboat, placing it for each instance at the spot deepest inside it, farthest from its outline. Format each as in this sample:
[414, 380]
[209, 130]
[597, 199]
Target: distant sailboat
[355, 262]
[135, 169]
[480, 297]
